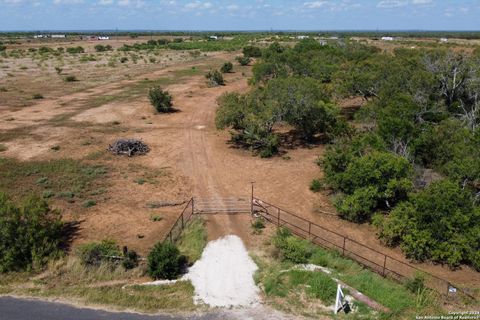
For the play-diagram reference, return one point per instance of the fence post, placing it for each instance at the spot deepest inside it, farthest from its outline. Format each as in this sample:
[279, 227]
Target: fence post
[278, 217]
[251, 199]
[384, 265]
[343, 248]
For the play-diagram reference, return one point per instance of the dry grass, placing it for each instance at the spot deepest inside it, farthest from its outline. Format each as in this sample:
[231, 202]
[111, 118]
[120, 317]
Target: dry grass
[101, 286]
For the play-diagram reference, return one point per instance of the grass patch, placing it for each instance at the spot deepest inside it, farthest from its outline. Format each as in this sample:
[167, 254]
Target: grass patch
[18, 178]
[193, 240]
[291, 290]
[102, 286]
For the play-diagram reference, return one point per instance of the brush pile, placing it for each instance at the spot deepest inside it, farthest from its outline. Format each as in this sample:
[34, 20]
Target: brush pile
[129, 147]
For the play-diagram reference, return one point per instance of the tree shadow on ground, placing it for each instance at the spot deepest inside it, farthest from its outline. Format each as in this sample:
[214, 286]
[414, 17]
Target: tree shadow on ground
[70, 231]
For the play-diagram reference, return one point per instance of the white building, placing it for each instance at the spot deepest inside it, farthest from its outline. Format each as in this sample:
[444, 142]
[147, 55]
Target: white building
[387, 38]
[103, 38]
[213, 38]
[58, 36]
[302, 37]
[443, 40]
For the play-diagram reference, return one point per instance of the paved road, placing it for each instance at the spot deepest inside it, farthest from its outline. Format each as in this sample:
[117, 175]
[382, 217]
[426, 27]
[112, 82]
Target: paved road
[20, 309]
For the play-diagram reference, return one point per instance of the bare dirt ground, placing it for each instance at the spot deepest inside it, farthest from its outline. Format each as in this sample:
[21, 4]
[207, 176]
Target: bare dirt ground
[190, 156]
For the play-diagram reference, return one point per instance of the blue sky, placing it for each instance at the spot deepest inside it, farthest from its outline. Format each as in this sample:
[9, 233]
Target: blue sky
[239, 14]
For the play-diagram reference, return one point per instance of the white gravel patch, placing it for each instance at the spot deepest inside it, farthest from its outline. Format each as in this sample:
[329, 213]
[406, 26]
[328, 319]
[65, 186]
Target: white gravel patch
[223, 277]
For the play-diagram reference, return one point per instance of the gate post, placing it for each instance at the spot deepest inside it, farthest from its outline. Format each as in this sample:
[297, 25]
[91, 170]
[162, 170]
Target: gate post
[251, 199]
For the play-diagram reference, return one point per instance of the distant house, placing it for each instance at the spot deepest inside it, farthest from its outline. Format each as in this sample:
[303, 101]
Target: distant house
[57, 36]
[387, 38]
[302, 37]
[103, 38]
[39, 36]
[323, 42]
[213, 38]
[443, 40]
[333, 38]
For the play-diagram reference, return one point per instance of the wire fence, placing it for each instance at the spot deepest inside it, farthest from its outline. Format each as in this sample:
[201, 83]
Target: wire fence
[383, 264]
[177, 228]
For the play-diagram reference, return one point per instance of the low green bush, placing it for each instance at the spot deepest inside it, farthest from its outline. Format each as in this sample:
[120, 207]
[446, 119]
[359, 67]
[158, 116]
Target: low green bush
[161, 100]
[214, 78]
[70, 79]
[37, 96]
[227, 67]
[94, 253]
[165, 261]
[316, 185]
[243, 61]
[292, 248]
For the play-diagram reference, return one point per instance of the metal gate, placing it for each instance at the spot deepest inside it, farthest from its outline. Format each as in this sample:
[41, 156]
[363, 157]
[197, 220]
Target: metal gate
[222, 205]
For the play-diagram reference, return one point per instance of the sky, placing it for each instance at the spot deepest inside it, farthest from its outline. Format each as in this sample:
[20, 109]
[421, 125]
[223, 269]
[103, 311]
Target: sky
[239, 15]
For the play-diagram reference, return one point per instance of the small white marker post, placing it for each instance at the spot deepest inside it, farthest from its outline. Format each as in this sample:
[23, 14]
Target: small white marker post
[339, 301]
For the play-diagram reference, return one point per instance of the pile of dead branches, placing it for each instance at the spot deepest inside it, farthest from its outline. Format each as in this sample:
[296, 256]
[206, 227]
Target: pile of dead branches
[129, 147]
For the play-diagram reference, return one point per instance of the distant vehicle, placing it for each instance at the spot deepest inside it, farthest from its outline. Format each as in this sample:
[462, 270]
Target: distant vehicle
[387, 38]
[443, 40]
[103, 38]
[213, 38]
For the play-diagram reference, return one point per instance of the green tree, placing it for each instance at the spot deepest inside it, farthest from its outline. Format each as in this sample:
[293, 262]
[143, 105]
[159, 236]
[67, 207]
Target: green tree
[29, 235]
[164, 261]
[439, 223]
[161, 100]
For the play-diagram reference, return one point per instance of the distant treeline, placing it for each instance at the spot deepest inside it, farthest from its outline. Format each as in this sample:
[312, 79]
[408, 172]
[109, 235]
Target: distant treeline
[352, 33]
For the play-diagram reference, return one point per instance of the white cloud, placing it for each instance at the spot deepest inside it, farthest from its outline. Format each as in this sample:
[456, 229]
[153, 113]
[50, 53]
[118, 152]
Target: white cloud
[315, 4]
[198, 5]
[67, 1]
[422, 1]
[12, 1]
[391, 3]
[131, 3]
[105, 2]
[233, 7]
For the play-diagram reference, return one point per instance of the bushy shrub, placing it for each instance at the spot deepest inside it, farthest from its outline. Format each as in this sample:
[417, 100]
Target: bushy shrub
[160, 100]
[130, 259]
[37, 96]
[102, 48]
[252, 52]
[29, 235]
[74, 50]
[292, 248]
[214, 78]
[370, 182]
[258, 225]
[165, 261]
[123, 59]
[70, 79]
[316, 185]
[243, 61]
[94, 253]
[439, 223]
[227, 67]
